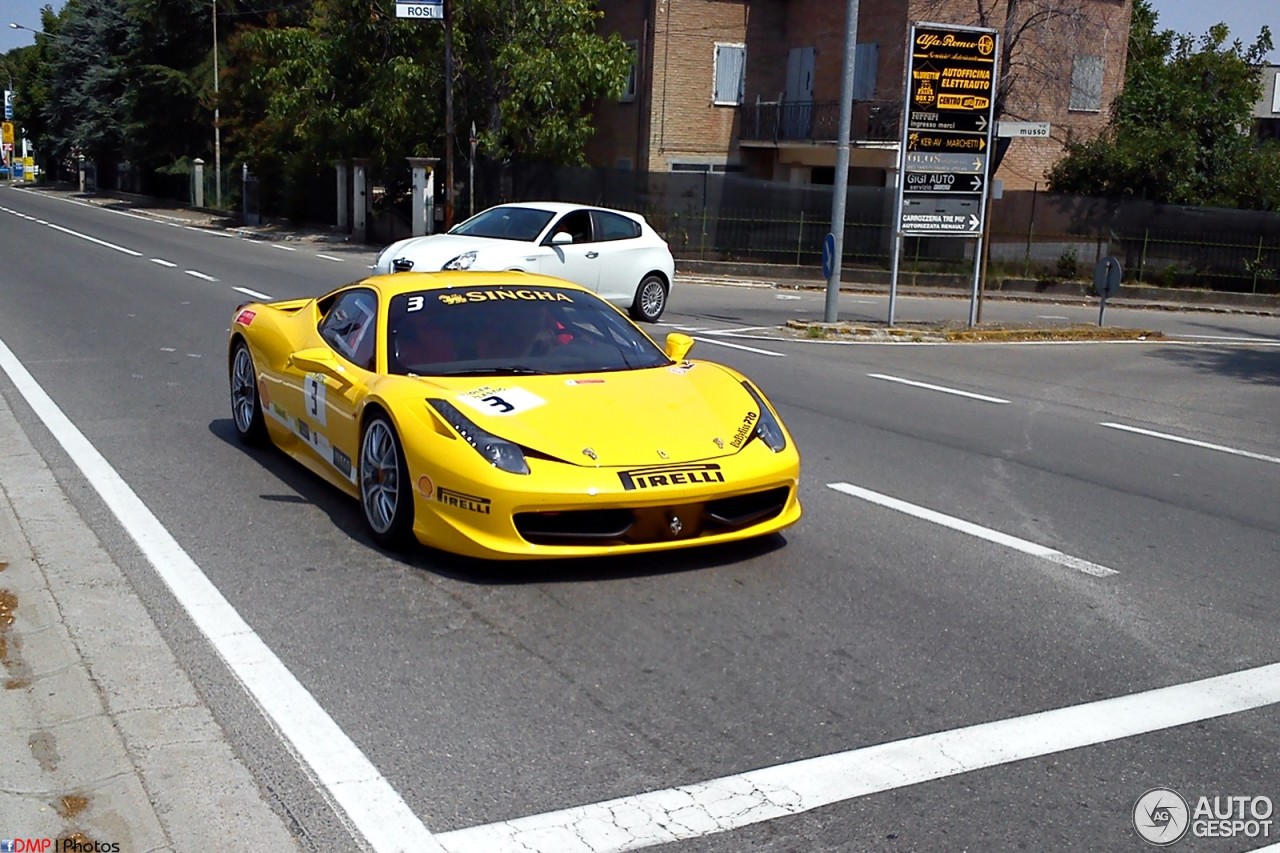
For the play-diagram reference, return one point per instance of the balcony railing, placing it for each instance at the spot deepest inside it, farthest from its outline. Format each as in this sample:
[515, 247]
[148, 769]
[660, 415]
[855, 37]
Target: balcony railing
[818, 122]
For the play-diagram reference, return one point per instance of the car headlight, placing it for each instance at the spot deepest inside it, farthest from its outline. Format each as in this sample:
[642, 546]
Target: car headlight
[462, 262]
[767, 428]
[502, 454]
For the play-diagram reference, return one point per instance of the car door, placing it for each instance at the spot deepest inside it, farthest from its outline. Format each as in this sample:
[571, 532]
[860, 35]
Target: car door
[578, 261]
[624, 256]
[328, 382]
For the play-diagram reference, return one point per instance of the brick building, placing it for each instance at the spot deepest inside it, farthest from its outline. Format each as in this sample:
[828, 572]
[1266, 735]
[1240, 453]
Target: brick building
[1266, 112]
[753, 86]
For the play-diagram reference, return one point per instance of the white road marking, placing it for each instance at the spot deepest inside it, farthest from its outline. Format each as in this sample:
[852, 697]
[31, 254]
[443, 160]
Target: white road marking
[732, 802]
[198, 274]
[163, 263]
[1191, 441]
[255, 294]
[1053, 555]
[1051, 317]
[741, 347]
[342, 772]
[787, 296]
[1226, 338]
[330, 257]
[926, 385]
[283, 248]
[738, 331]
[93, 239]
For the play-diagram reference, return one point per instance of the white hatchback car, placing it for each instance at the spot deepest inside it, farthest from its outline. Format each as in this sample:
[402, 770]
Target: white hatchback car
[612, 252]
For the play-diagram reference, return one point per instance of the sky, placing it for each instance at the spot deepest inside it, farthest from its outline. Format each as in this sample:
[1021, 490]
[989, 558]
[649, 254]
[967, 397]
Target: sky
[1244, 18]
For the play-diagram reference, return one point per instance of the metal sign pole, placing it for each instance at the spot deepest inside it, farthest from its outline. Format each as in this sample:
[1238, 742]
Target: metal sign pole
[840, 192]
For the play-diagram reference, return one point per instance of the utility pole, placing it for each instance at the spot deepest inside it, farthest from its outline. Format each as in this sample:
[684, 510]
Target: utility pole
[217, 122]
[840, 192]
[448, 115]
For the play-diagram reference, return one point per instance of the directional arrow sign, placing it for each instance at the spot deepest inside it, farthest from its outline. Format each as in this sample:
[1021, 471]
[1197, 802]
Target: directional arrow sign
[943, 182]
[949, 142]
[920, 161]
[942, 214]
[948, 121]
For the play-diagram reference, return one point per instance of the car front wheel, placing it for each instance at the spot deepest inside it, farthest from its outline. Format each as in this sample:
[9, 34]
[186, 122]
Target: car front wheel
[651, 299]
[385, 491]
[246, 405]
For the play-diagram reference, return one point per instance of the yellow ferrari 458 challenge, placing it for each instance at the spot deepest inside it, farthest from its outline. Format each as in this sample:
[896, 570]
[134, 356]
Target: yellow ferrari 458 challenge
[507, 415]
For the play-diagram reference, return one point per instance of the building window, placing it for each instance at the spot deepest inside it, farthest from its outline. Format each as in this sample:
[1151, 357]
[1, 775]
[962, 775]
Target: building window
[1086, 84]
[629, 94]
[866, 62]
[730, 81]
[1275, 94]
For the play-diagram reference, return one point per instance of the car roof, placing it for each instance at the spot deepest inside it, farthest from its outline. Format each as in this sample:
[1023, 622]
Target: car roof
[393, 284]
[564, 207]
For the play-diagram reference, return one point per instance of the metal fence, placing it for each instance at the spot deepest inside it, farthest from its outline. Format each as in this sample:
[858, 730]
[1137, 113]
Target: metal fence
[730, 217]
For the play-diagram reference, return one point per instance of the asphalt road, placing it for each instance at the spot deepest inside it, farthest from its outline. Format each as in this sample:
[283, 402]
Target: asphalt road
[1068, 538]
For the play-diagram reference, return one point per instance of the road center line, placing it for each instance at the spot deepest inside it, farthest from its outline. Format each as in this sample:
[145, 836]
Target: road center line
[262, 297]
[740, 346]
[944, 390]
[1191, 441]
[1053, 555]
[198, 274]
[343, 774]
[329, 257]
[732, 802]
[94, 240]
[163, 262]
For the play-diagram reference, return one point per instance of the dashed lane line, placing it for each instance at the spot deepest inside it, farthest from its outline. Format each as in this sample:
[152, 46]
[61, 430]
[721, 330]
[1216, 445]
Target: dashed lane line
[1053, 555]
[200, 275]
[940, 388]
[733, 802]
[261, 297]
[1221, 448]
[113, 246]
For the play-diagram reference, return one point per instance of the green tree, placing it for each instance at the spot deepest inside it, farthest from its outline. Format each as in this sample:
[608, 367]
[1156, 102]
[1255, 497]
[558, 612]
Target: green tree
[1179, 131]
[530, 72]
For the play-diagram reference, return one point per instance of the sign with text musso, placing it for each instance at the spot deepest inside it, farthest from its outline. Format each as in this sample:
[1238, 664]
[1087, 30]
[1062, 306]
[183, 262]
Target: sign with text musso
[429, 11]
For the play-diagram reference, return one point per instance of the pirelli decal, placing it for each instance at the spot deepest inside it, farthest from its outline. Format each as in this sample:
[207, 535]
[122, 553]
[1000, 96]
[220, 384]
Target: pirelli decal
[461, 500]
[670, 475]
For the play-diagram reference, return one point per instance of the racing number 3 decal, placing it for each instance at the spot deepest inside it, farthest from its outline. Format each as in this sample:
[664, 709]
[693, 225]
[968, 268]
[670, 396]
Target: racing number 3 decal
[313, 389]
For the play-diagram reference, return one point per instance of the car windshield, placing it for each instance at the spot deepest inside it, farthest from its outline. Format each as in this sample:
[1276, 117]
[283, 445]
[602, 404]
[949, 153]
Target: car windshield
[508, 329]
[506, 223]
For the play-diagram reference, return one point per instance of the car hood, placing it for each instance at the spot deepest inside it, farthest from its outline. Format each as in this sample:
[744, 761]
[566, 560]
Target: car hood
[431, 253]
[637, 417]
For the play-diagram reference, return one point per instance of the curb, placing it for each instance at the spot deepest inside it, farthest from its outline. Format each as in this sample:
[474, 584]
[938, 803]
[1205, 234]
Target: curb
[106, 740]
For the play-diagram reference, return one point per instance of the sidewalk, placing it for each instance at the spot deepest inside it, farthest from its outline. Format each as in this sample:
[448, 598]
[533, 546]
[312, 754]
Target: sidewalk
[103, 736]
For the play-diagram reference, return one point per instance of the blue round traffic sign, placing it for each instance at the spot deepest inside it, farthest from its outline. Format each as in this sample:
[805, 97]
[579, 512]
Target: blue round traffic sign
[828, 254]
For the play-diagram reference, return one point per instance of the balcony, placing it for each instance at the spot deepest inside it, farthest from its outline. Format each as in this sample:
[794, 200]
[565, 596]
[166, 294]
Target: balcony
[818, 123]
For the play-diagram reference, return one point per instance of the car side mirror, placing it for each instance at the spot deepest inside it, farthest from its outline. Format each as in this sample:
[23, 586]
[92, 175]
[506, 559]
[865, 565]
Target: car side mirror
[317, 360]
[677, 346]
[561, 237]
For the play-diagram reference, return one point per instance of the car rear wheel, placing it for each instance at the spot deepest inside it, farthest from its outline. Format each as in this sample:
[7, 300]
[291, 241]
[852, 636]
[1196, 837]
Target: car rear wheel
[246, 405]
[651, 299]
[385, 491]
